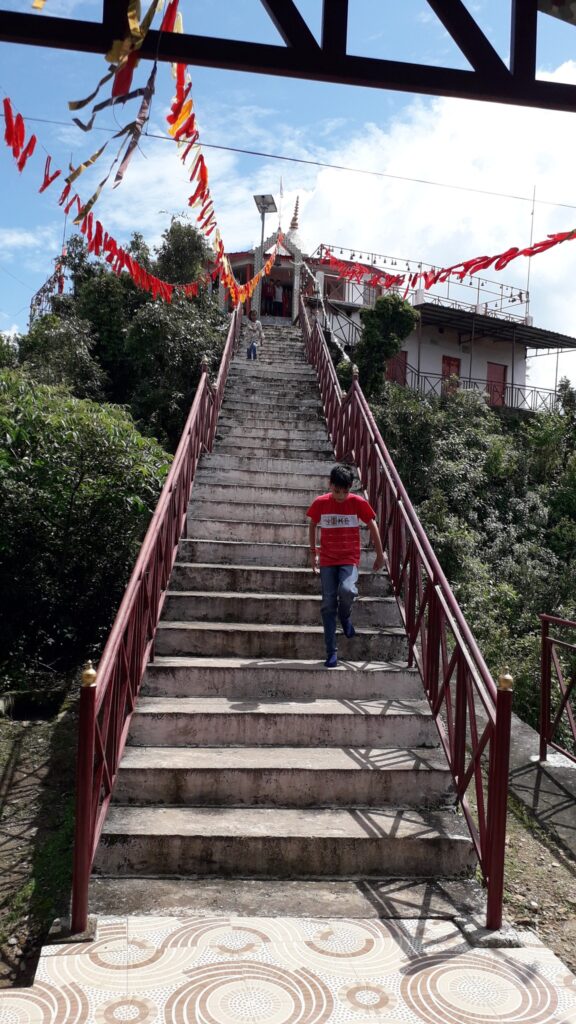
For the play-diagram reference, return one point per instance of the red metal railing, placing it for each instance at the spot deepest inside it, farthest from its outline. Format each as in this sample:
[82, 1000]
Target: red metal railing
[106, 706]
[473, 715]
[550, 720]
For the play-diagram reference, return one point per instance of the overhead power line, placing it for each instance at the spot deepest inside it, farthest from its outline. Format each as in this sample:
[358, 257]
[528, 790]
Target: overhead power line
[334, 167]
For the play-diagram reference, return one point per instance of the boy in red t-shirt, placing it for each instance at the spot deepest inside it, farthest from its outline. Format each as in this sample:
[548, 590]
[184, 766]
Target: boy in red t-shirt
[338, 514]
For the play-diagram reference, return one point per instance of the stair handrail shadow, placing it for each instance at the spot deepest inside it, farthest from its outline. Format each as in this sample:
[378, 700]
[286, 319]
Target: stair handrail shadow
[441, 644]
[108, 700]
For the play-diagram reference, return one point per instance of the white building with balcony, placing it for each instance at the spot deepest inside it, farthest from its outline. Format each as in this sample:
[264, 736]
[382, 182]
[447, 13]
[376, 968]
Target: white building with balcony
[476, 334]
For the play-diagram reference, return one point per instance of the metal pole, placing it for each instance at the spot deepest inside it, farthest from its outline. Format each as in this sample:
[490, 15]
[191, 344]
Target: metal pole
[545, 673]
[498, 800]
[263, 215]
[530, 258]
[82, 861]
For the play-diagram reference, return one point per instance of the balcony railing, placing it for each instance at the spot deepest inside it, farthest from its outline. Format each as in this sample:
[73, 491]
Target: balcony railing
[558, 686]
[497, 395]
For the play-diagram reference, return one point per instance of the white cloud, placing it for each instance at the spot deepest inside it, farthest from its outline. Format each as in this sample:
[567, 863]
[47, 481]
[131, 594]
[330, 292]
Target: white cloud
[15, 241]
[10, 332]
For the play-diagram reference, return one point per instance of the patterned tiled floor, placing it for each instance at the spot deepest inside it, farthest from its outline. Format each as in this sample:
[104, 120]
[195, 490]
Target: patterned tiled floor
[290, 971]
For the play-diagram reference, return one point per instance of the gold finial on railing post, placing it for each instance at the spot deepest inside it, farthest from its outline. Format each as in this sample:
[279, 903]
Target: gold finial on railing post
[204, 364]
[355, 372]
[505, 680]
[88, 674]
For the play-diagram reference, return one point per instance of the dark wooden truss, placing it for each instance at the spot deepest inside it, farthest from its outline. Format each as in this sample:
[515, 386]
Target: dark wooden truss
[301, 56]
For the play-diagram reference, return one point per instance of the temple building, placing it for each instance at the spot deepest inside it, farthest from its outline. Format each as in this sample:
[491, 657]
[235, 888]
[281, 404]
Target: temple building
[475, 334]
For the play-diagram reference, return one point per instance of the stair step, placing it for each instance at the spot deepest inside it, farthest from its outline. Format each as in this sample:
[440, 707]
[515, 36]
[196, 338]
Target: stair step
[283, 776]
[263, 580]
[244, 511]
[344, 898]
[283, 478]
[229, 721]
[258, 465]
[256, 640]
[227, 491]
[230, 428]
[254, 553]
[266, 678]
[252, 415]
[268, 450]
[286, 609]
[253, 530]
[283, 842]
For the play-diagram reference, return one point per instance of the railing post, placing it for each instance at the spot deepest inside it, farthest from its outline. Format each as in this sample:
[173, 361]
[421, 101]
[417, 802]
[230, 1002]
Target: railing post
[498, 799]
[460, 718]
[431, 665]
[545, 688]
[84, 783]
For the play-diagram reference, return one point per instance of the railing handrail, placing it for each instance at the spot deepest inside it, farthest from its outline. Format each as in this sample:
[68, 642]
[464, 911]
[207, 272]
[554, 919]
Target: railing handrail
[440, 640]
[549, 659]
[431, 558]
[100, 750]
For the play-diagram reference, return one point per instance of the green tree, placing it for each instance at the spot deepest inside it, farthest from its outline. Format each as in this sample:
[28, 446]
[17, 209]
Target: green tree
[182, 254]
[164, 349]
[8, 352]
[77, 487]
[59, 351]
[384, 328]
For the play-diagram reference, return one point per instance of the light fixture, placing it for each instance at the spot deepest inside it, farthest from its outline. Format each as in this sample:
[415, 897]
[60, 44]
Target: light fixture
[265, 204]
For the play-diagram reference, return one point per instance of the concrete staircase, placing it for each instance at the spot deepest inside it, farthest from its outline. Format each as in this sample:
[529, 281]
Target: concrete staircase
[246, 758]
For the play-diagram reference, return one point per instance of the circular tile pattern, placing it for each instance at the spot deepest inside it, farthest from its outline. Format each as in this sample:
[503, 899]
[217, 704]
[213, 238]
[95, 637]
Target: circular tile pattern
[368, 999]
[338, 948]
[227, 939]
[126, 1011]
[245, 992]
[45, 1003]
[470, 989]
[123, 967]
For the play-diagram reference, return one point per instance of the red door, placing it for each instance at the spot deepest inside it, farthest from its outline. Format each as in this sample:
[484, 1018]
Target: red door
[396, 369]
[496, 380]
[450, 369]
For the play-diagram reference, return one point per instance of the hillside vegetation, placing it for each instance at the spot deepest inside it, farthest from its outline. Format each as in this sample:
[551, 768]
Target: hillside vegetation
[497, 497]
[92, 402]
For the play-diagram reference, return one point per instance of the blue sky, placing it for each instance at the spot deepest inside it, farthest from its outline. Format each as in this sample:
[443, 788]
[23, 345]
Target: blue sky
[450, 142]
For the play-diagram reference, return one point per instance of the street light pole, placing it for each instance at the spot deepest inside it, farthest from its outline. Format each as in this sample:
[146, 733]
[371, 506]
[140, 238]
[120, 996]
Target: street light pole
[264, 205]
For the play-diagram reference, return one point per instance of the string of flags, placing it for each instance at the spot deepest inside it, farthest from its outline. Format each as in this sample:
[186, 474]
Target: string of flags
[101, 243]
[359, 272]
[123, 59]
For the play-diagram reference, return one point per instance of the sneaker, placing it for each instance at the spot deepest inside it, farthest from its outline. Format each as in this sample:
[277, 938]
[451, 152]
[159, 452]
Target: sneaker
[348, 628]
[331, 661]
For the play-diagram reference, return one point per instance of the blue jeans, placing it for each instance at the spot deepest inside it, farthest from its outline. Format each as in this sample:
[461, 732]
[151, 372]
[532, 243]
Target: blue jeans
[338, 592]
[251, 351]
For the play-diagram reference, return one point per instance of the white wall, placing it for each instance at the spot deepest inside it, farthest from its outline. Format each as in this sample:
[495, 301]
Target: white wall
[436, 344]
[474, 356]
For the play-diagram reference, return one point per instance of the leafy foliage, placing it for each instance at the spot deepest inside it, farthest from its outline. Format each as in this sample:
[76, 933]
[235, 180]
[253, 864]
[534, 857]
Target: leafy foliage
[164, 349]
[384, 327]
[181, 254]
[59, 351]
[497, 498]
[77, 486]
[78, 480]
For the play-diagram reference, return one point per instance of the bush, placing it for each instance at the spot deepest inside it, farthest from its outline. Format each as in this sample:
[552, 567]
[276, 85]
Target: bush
[77, 487]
